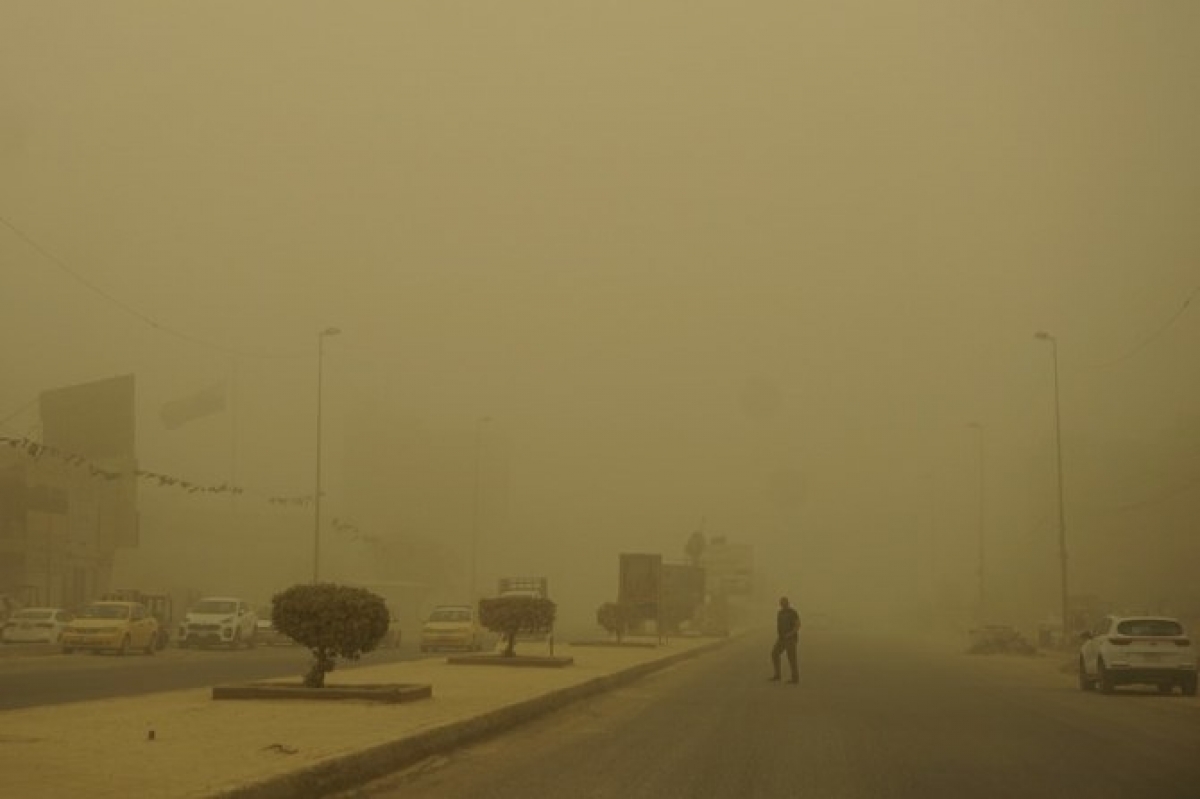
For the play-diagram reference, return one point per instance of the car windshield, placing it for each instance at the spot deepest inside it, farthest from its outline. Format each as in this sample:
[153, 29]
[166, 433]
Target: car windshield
[449, 614]
[33, 614]
[214, 606]
[103, 611]
[1150, 627]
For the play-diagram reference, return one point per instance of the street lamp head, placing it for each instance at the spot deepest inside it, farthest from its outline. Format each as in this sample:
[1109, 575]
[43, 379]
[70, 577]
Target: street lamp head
[1042, 334]
[329, 331]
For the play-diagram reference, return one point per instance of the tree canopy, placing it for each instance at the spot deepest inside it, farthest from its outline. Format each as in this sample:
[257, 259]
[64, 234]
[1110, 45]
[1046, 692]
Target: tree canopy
[332, 620]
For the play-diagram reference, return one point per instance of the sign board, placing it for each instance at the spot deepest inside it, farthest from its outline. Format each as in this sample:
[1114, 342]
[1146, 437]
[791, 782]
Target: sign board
[729, 568]
[639, 584]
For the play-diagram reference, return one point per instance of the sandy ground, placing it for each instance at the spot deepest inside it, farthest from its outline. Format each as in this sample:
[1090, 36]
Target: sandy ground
[185, 744]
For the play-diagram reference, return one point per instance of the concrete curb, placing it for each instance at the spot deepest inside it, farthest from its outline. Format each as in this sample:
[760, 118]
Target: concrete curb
[29, 650]
[349, 771]
[390, 693]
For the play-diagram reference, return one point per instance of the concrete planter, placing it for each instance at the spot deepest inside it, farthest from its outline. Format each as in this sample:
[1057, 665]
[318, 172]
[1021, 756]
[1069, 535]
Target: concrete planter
[390, 693]
[618, 645]
[526, 661]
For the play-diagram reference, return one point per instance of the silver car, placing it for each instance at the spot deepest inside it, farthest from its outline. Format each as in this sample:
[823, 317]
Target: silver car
[1130, 650]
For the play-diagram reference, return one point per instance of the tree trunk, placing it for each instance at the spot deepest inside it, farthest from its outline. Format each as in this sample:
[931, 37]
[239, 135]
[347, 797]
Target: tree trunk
[511, 649]
[322, 663]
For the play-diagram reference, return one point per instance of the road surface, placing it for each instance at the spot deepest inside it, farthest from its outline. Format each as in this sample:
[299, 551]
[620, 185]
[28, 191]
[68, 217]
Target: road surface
[869, 720]
[57, 678]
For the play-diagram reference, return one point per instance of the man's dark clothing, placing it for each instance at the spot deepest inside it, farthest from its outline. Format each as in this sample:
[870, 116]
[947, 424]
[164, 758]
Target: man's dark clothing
[787, 625]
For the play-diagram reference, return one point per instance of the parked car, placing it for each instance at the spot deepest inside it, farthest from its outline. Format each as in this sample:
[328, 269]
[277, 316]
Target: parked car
[35, 626]
[1148, 650]
[116, 626]
[452, 627]
[265, 632]
[221, 621]
[391, 638]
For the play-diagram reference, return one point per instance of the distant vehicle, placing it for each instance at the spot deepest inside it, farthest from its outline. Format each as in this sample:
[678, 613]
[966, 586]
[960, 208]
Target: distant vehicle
[524, 586]
[115, 626]
[265, 632]
[391, 638]
[8, 606]
[534, 587]
[1129, 650]
[159, 603]
[452, 627]
[219, 621]
[36, 626]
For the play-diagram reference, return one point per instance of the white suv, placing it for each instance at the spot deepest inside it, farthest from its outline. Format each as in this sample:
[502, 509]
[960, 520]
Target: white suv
[1124, 650]
[222, 620]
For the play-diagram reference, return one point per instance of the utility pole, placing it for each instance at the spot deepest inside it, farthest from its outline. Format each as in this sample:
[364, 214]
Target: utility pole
[475, 508]
[981, 522]
[1062, 516]
[329, 331]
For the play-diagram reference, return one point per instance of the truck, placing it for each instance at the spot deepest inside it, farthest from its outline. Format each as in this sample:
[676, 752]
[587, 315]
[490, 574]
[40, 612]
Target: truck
[669, 596]
[536, 587]
[524, 586]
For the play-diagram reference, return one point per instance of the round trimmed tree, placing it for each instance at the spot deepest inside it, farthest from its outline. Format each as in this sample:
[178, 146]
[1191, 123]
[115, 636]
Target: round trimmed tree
[331, 620]
[509, 616]
[616, 617]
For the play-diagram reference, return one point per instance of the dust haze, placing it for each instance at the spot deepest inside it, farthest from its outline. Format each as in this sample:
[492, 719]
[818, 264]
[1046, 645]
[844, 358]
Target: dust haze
[609, 273]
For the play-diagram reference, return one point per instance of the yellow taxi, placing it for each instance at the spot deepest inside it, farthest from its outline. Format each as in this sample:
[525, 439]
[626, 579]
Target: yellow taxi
[114, 626]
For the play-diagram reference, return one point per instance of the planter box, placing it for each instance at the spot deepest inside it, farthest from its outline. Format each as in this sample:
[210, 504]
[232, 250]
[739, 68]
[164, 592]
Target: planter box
[529, 661]
[392, 693]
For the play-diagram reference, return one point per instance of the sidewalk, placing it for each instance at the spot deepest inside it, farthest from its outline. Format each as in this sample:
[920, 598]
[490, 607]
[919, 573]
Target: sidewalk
[288, 749]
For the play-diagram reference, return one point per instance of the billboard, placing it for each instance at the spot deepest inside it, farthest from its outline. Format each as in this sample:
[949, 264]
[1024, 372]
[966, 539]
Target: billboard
[729, 567]
[639, 584]
[95, 421]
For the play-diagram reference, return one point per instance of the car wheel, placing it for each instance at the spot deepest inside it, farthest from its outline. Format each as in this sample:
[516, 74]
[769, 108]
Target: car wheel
[151, 644]
[183, 643]
[237, 639]
[1164, 687]
[1104, 678]
[124, 648]
[1086, 683]
[66, 650]
[1188, 686]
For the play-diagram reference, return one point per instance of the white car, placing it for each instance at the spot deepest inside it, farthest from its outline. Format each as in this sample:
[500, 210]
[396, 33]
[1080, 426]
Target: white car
[219, 620]
[452, 627]
[36, 625]
[1128, 650]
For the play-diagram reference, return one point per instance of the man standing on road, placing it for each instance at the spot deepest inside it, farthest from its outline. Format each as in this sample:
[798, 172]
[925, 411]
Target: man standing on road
[787, 625]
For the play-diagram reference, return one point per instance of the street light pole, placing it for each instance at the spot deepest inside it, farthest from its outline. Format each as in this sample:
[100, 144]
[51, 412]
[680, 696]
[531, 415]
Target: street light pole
[475, 507]
[981, 521]
[1062, 516]
[324, 334]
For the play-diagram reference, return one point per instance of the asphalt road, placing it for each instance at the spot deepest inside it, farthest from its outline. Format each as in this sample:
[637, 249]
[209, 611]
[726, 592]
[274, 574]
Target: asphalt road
[54, 679]
[869, 720]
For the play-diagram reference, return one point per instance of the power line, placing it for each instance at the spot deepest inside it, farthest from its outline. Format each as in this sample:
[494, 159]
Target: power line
[1150, 339]
[5, 420]
[129, 309]
[1158, 500]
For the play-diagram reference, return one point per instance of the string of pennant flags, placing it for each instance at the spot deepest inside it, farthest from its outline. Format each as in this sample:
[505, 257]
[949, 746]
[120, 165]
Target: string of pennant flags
[36, 450]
